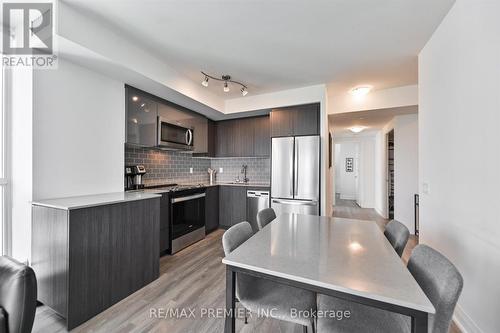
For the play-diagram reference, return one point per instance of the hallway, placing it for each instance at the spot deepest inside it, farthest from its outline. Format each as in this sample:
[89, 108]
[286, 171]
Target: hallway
[349, 209]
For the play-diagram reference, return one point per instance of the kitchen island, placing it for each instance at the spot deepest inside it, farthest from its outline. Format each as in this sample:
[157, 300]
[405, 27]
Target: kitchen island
[89, 252]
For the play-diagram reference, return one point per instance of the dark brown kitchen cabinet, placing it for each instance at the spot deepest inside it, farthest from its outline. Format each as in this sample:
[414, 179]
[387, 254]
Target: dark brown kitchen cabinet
[87, 259]
[296, 120]
[243, 137]
[232, 205]
[141, 116]
[282, 122]
[262, 136]
[212, 208]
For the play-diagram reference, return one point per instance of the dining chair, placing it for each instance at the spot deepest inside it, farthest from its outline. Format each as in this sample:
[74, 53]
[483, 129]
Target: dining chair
[265, 216]
[259, 295]
[397, 234]
[437, 276]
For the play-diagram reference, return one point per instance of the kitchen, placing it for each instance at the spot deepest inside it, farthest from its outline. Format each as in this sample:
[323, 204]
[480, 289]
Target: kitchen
[175, 147]
[168, 153]
[132, 188]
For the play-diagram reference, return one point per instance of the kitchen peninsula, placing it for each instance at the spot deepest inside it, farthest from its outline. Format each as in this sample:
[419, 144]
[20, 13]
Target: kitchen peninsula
[89, 252]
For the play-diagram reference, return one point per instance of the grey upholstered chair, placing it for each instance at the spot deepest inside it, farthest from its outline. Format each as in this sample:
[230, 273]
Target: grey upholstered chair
[258, 295]
[436, 275]
[397, 234]
[264, 217]
[17, 296]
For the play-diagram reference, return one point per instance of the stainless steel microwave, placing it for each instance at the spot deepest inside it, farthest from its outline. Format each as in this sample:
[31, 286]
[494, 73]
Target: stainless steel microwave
[175, 137]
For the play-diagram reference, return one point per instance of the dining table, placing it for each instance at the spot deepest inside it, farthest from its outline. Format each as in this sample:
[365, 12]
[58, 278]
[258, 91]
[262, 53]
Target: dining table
[338, 257]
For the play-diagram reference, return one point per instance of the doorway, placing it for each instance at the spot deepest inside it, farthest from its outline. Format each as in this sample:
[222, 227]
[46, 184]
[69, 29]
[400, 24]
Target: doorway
[346, 172]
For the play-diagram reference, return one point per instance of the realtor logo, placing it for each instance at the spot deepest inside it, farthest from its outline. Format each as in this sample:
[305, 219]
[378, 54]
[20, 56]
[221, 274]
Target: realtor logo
[28, 39]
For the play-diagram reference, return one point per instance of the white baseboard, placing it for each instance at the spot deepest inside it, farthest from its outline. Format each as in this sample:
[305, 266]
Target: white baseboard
[464, 322]
[347, 197]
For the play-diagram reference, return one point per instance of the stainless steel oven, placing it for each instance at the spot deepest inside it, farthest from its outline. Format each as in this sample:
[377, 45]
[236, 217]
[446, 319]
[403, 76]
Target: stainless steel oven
[175, 137]
[187, 218]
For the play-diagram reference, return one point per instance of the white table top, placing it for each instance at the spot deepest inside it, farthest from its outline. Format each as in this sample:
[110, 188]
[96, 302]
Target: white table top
[350, 256]
[85, 201]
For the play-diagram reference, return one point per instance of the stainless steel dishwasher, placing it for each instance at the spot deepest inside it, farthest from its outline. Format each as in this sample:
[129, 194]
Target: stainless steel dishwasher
[256, 201]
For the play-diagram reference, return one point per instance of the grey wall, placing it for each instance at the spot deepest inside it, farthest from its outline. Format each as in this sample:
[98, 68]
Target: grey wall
[173, 167]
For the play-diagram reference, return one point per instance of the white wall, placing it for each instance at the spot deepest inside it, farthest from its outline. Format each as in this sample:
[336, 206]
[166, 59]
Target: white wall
[343, 101]
[362, 149]
[79, 133]
[19, 99]
[367, 173]
[459, 154]
[405, 168]
[346, 181]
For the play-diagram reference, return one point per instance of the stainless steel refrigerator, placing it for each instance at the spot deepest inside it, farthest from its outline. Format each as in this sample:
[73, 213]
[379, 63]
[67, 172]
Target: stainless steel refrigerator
[295, 175]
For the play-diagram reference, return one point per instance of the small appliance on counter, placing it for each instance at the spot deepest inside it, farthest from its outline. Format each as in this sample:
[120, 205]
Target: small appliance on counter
[133, 177]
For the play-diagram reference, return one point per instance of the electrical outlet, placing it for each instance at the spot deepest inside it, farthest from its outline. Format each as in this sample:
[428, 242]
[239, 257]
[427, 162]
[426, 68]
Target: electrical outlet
[221, 170]
[190, 170]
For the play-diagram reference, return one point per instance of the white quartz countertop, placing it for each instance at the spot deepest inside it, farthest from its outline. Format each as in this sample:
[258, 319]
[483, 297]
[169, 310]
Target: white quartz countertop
[85, 201]
[345, 255]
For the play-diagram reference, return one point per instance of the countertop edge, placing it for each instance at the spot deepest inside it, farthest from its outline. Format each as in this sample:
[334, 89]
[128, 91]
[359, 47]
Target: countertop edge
[41, 203]
[419, 307]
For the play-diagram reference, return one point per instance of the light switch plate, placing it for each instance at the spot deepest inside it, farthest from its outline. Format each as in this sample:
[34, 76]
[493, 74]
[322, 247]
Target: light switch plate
[425, 188]
[221, 170]
[190, 170]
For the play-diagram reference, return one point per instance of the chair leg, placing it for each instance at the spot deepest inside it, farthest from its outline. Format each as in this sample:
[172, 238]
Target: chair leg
[246, 317]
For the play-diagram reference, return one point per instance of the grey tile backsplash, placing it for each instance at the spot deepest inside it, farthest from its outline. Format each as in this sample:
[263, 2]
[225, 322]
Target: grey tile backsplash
[164, 166]
[258, 170]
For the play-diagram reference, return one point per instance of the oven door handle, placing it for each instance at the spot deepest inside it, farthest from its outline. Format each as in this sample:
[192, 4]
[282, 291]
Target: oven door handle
[189, 197]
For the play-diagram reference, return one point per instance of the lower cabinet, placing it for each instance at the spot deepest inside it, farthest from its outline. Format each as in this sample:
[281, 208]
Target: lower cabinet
[232, 205]
[88, 259]
[212, 209]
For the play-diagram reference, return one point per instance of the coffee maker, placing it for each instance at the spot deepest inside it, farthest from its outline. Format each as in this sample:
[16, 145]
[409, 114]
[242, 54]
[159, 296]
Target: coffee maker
[133, 177]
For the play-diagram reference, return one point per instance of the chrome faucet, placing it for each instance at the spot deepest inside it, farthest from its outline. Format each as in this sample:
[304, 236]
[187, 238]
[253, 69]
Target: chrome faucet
[244, 168]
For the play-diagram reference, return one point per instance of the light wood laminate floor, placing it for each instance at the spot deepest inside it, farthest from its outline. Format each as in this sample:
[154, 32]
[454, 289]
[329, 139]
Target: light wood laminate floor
[194, 278]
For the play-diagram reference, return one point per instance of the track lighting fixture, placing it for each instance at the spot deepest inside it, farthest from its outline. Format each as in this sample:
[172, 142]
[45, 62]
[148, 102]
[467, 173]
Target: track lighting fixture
[227, 80]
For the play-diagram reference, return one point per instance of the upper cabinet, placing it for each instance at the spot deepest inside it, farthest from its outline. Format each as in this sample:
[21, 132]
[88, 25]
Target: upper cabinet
[243, 137]
[295, 120]
[141, 118]
[143, 110]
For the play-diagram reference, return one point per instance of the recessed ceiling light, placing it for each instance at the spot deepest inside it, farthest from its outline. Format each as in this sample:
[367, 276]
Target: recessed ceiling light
[135, 98]
[360, 91]
[357, 129]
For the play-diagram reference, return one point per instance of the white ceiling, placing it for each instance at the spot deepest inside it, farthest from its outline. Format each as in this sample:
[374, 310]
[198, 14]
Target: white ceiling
[373, 120]
[272, 45]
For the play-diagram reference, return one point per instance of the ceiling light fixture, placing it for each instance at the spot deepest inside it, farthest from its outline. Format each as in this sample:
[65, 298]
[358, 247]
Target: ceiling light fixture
[135, 98]
[360, 91]
[227, 80]
[357, 129]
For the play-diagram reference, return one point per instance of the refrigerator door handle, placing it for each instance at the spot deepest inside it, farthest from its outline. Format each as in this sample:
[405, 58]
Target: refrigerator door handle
[296, 167]
[295, 202]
